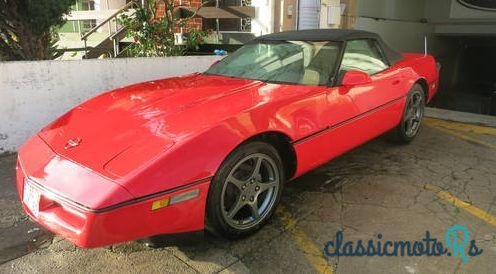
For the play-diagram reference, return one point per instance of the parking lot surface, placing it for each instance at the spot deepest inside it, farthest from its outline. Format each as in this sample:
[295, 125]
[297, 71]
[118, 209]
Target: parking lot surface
[445, 177]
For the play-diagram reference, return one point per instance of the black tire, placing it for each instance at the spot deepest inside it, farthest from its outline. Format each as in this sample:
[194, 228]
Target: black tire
[411, 121]
[240, 166]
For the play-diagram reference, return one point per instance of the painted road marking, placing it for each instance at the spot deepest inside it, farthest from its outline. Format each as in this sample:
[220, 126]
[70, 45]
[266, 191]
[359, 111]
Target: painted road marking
[452, 128]
[475, 211]
[460, 126]
[314, 254]
[444, 127]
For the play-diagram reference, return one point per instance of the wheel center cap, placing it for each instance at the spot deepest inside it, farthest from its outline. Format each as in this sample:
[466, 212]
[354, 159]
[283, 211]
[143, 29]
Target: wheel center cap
[251, 189]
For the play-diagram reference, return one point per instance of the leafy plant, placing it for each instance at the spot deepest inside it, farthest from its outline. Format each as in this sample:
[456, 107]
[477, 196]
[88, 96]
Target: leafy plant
[194, 38]
[27, 28]
[153, 35]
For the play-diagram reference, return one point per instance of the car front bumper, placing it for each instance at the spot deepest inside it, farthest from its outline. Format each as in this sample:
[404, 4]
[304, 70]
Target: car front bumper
[132, 219]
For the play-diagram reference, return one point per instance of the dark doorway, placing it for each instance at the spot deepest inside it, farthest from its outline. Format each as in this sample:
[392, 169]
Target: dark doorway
[468, 73]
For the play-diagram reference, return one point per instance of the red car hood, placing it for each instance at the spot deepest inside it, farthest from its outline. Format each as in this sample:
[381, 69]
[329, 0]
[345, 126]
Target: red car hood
[139, 122]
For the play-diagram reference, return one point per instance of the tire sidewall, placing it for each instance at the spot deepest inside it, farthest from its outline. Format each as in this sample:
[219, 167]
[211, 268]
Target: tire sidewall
[402, 136]
[214, 217]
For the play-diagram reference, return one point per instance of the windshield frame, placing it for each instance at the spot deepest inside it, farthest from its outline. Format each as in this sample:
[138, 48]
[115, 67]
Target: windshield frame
[333, 77]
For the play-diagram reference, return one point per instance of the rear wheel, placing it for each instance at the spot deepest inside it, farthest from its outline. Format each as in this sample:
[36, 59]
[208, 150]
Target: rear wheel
[413, 113]
[245, 191]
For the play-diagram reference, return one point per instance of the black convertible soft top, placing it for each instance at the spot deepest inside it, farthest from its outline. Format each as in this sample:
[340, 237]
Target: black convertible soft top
[338, 35]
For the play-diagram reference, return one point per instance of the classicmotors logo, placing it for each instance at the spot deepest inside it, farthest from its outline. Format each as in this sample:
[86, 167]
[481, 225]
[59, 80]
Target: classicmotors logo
[457, 243]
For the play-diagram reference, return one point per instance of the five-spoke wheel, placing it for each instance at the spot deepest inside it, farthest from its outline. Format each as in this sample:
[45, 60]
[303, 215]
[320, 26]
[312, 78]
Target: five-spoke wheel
[410, 123]
[250, 190]
[245, 190]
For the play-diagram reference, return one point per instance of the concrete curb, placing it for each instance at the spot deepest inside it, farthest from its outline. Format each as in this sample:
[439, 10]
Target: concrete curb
[464, 117]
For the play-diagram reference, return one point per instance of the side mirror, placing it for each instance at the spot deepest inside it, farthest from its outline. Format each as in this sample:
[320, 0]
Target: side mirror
[355, 77]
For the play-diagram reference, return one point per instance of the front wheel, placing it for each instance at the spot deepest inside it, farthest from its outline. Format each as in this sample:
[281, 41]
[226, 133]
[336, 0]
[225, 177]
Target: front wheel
[245, 191]
[413, 113]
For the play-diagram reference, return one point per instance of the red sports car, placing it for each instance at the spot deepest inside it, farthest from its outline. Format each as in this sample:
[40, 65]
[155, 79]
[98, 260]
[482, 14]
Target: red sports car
[174, 155]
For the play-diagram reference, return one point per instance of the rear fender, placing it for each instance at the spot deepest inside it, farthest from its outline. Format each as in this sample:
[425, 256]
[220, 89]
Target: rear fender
[421, 67]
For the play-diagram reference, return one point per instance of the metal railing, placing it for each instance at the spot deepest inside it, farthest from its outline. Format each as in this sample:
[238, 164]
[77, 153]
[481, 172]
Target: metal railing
[108, 22]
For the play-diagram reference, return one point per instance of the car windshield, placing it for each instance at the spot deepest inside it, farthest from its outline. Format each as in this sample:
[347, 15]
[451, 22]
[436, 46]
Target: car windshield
[293, 62]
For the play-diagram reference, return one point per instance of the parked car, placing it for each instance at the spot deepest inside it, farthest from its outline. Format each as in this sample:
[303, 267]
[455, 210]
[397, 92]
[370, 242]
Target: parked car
[215, 148]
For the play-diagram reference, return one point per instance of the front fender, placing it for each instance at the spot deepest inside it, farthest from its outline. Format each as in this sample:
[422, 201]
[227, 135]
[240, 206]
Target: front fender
[196, 158]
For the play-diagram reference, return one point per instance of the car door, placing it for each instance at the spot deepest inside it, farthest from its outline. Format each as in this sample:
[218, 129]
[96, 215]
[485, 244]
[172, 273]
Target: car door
[358, 113]
[365, 55]
[334, 107]
[378, 103]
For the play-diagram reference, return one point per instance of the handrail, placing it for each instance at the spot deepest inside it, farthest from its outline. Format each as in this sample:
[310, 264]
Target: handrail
[128, 5]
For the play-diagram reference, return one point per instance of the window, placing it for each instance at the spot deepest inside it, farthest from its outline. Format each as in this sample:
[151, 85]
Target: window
[87, 25]
[363, 55]
[88, 5]
[297, 62]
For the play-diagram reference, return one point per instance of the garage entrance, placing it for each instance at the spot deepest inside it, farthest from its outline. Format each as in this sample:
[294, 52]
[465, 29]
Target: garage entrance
[467, 76]
[461, 36]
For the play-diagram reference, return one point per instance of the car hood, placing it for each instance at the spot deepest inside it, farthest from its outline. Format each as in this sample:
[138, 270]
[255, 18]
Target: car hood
[134, 124]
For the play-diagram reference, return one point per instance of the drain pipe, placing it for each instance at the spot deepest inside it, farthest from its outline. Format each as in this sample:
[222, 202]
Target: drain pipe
[217, 21]
[181, 29]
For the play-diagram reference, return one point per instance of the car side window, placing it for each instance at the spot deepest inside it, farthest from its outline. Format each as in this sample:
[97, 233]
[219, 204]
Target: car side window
[363, 55]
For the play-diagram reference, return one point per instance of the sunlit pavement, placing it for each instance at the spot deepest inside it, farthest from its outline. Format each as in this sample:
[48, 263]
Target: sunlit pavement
[446, 177]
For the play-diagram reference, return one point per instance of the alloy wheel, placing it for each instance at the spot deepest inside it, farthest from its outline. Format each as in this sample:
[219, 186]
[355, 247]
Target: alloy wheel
[414, 113]
[250, 191]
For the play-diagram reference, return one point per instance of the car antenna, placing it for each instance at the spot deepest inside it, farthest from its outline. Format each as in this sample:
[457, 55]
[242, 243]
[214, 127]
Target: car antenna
[425, 45]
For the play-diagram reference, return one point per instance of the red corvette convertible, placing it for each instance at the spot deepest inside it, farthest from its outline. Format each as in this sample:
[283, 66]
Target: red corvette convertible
[215, 148]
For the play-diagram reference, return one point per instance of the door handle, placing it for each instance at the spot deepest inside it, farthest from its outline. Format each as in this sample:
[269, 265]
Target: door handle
[396, 82]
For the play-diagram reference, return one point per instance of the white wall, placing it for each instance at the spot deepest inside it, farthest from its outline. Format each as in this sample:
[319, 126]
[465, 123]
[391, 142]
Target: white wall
[34, 93]
[263, 22]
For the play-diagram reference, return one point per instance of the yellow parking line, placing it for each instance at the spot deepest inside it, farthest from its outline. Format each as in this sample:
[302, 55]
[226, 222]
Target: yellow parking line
[433, 123]
[314, 254]
[452, 128]
[475, 211]
[460, 126]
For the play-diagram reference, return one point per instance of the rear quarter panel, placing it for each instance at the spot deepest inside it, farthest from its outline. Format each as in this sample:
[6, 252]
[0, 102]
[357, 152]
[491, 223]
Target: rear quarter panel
[420, 66]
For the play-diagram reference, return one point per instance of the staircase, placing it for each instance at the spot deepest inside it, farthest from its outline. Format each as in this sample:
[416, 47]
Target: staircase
[109, 46]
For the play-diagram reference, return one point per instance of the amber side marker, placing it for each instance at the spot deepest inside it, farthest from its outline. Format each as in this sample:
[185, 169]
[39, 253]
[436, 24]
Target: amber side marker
[179, 198]
[158, 204]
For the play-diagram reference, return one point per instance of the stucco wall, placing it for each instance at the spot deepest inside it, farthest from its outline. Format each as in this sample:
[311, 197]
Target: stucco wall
[406, 10]
[400, 35]
[400, 22]
[451, 11]
[35, 93]
[397, 21]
